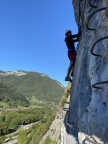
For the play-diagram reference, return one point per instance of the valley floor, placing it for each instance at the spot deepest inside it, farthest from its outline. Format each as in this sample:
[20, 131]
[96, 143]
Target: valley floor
[12, 138]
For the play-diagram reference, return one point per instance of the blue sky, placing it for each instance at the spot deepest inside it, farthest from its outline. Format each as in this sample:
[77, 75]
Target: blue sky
[32, 35]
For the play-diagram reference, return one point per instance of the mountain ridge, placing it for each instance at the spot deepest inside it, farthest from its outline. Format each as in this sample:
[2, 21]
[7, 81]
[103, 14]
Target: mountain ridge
[33, 86]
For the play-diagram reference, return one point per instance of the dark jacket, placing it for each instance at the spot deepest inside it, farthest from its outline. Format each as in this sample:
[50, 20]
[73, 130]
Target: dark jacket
[71, 40]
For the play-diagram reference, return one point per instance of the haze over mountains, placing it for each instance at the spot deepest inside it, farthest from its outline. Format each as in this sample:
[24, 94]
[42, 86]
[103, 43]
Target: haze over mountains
[28, 88]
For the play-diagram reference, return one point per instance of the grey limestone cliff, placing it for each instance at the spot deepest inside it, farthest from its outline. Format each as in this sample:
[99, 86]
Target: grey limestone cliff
[89, 95]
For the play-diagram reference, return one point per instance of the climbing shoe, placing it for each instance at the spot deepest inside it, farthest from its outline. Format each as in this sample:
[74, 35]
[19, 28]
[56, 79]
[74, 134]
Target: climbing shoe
[68, 78]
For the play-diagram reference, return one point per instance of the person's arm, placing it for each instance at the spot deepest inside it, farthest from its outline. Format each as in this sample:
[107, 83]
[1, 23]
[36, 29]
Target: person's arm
[76, 40]
[77, 35]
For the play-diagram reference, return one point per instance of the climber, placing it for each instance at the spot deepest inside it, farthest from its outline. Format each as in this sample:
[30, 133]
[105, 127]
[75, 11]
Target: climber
[70, 41]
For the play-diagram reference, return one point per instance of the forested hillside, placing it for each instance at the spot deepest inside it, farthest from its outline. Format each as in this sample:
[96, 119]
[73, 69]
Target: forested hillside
[11, 97]
[28, 88]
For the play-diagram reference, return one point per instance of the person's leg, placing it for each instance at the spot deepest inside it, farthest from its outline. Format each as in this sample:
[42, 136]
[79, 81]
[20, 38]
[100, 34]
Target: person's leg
[71, 67]
[69, 71]
[72, 57]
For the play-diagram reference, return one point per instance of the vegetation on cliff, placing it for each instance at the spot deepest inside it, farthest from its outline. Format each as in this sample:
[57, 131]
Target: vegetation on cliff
[66, 94]
[49, 141]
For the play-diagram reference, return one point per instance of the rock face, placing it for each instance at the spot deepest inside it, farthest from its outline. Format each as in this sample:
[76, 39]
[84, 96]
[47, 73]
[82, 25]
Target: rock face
[54, 131]
[89, 94]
